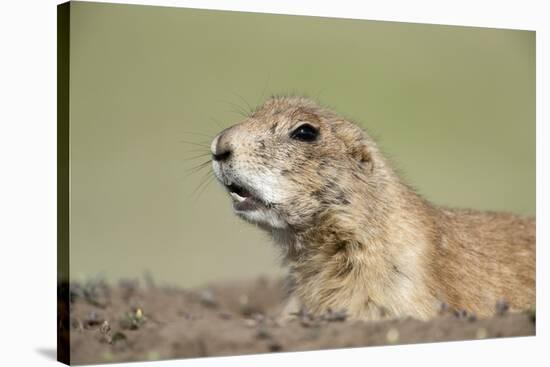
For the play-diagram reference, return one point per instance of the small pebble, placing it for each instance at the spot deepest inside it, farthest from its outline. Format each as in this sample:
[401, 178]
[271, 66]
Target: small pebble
[93, 319]
[250, 322]
[105, 327]
[207, 298]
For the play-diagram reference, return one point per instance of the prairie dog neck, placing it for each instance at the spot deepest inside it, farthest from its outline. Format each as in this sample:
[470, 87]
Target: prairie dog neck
[367, 259]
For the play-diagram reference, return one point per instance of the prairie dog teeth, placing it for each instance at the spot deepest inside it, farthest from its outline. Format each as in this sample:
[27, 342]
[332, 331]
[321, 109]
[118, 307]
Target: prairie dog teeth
[238, 198]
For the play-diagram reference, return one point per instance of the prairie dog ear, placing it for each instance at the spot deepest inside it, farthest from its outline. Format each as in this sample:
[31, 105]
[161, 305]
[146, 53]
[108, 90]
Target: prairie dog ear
[356, 142]
[361, 152]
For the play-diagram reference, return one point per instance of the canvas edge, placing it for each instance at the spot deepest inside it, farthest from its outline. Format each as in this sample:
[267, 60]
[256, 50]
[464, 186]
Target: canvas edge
[63, 181]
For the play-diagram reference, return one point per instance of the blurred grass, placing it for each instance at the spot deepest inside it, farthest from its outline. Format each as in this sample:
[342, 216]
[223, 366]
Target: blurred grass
[453, 107]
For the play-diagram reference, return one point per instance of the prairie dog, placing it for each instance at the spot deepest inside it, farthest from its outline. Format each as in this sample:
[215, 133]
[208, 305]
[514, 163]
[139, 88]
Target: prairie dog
[353, 235]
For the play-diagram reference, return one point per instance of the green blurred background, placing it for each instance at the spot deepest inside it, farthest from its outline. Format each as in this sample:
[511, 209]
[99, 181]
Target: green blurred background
[453, 108]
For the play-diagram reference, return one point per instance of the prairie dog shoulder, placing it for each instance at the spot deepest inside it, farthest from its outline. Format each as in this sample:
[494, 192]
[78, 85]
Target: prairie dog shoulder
[353, 235]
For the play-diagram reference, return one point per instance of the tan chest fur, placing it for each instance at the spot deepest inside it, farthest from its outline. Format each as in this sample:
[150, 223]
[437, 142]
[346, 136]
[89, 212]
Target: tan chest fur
[406, 264]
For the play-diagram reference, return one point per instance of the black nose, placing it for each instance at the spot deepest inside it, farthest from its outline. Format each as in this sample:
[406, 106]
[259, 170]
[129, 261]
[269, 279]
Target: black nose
[222, 156]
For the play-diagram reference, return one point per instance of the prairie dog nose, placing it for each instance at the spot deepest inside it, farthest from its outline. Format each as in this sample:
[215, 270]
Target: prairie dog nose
[220, 149]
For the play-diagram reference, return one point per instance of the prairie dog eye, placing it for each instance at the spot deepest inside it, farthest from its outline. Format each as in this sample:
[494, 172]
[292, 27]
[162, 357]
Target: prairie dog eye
[305, 132]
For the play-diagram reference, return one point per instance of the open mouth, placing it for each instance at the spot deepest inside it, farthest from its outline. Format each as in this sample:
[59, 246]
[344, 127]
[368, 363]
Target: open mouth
[243, 200]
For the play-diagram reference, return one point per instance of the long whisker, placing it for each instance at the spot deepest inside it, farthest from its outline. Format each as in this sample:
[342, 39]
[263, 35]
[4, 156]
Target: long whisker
[238, 112]
[217, 122]
[245, 101]
[199, 144]
[205, 178]
[195, 151]
[200, 165]
[197, 168]
[262, 96]
[196, 156]
[198, 134]
[208, 181]
[239, 109]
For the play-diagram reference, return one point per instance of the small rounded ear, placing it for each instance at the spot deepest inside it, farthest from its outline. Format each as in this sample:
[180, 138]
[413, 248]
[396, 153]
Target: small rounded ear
[363, 156]
[356, 142]
[361, 153]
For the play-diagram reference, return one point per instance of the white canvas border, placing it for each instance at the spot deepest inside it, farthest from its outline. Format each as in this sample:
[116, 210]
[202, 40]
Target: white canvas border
[28, 186]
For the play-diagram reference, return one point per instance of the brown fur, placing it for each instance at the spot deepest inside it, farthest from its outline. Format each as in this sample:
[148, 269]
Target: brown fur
[355, 237]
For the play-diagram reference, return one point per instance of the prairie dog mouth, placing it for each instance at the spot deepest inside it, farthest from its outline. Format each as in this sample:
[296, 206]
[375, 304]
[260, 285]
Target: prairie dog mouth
[243, 200]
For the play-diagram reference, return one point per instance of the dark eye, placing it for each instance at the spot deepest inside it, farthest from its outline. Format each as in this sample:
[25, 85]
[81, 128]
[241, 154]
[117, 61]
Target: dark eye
[305, 132]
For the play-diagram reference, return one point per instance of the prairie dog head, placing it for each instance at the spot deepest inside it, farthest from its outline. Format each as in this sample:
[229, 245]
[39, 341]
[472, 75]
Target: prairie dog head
[292, 160]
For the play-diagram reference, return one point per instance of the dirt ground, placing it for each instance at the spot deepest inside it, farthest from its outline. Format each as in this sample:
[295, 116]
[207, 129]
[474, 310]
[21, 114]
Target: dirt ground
[131, 322]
